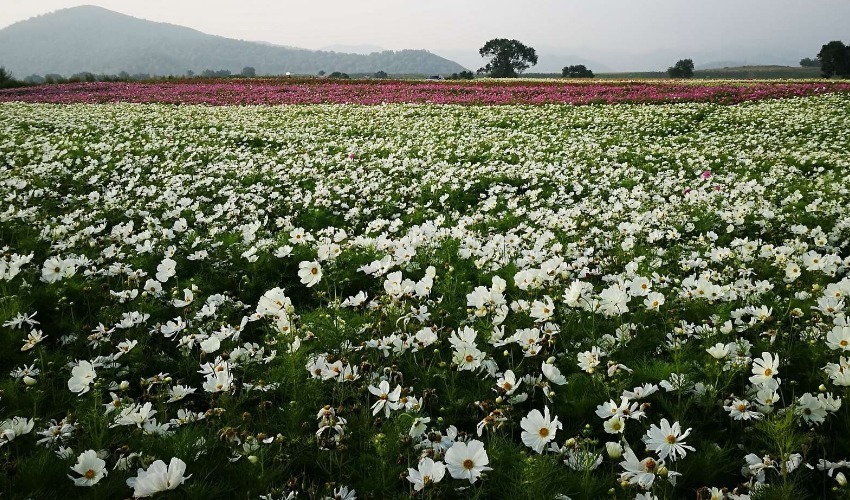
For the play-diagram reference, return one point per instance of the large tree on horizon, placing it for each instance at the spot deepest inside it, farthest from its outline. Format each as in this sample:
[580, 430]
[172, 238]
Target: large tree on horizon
[834, 60]
[508, 58]
[684, 68]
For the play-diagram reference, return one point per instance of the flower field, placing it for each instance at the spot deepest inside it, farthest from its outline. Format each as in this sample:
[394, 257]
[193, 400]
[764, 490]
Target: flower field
[490, 92]
[447, 301]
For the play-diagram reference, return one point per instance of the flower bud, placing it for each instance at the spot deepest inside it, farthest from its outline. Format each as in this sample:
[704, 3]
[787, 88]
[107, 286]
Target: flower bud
[253, 459]
[29, 381]
[124, 385]
[615, 450]
[841, 479]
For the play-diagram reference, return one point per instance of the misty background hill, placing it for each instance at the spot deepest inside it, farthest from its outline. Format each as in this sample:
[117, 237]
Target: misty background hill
[98, 40]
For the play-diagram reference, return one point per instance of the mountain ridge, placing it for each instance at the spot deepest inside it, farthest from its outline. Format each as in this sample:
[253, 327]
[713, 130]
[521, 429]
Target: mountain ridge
[97, 40]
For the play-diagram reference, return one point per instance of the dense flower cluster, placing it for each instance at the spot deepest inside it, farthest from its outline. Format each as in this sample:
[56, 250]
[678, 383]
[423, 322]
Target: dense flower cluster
[330, 301]
[287, 91]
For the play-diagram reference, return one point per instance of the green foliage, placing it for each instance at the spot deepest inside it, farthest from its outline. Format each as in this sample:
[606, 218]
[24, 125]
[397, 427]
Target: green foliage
[684, 68]
[463, 75]
[808, 62]
[7, 81]
[508, 58]
[834, 60]
[578, 71]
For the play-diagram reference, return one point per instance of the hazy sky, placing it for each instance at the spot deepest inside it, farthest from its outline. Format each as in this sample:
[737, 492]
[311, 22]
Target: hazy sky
[598, 29]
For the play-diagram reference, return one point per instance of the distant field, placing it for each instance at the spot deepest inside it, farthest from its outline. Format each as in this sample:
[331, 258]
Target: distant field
[738, 73]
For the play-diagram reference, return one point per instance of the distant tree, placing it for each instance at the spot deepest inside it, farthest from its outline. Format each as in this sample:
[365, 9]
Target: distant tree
[208, 73]
[54, 78]
[507, 58]
[380, 74]
[684, 68]
[339, 75]
[808, 62]
[834, 60]
[190, 73]
[34, 79]
[463, 75]
[123, 76]
[578, 71]
[322, 72]
[248, 72]
[84, 76]
[5, 76]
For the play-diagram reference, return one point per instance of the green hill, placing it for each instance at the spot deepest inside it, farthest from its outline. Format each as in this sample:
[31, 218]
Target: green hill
[98, 40]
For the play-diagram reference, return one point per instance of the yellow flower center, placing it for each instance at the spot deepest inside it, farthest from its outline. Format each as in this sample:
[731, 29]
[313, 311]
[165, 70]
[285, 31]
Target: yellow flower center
[544, 432]
[468, 464]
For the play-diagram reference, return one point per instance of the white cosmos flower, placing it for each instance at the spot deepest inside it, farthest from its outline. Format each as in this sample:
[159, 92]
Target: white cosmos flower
[667, 440]
[508, 382]
[653, 301]
[553, 374]
[839, 338]
[166, 269]
[615, 425]
[309, 272]
[387, 400]
[82, 377]
[14, 427]
[467, 460]
[210, 344]
[639, 472]
[219, 380]
[188, 297]
[543, 310]
[91, 469]
[158, 477]
[538, 429]
[718, 351]
[764, 369]
[428, 472]
[53, 270]
[178, 392]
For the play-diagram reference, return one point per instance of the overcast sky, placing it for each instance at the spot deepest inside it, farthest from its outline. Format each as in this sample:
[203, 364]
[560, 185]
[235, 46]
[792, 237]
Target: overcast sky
[604, 30]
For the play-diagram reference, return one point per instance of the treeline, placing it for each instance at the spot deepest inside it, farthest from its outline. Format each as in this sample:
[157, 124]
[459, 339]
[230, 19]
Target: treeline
[7, 81]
